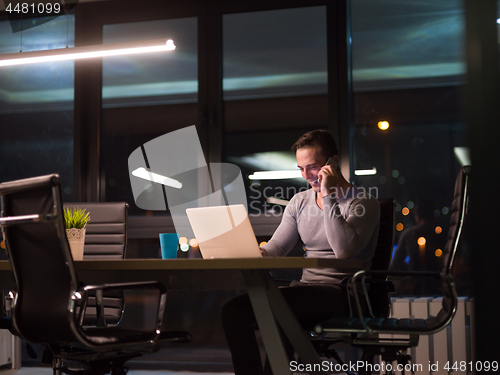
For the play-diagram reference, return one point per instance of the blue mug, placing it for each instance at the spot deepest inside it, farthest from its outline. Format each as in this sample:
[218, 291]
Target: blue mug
[169, 243]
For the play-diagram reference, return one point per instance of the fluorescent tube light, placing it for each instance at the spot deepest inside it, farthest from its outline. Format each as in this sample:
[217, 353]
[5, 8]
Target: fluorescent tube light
[275, 175]
[86, 52]
[365, 172]
[143, 173]
[281, 202]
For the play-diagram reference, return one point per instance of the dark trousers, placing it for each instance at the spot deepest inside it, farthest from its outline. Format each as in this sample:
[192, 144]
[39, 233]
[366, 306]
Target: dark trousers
[311, 304]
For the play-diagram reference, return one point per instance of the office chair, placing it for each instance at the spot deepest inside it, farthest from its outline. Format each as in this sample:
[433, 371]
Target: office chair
[105, 238]
[48, 290]
[363, 331]
[106, 234]
[380, 288]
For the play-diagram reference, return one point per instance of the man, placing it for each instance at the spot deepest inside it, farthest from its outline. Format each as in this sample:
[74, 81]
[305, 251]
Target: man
[334, 219]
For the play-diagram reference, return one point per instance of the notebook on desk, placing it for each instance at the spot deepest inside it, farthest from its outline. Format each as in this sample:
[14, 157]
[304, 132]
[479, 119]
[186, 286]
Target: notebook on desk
[223, 232]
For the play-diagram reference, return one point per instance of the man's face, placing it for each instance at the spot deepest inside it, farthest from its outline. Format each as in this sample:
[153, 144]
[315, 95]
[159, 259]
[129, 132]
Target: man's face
[310, 161]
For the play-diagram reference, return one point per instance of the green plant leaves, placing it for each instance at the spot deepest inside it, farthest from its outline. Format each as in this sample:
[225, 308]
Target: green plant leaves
[76, 218]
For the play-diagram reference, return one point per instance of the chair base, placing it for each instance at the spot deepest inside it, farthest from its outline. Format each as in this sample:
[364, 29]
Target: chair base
[390, 352]
[113, 363]
[93, 368]
[100, 363]
[322, 345]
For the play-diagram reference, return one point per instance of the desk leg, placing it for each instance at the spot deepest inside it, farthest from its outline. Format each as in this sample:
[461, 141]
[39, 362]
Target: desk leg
[269, 305]
[292, 328]
[257, 291]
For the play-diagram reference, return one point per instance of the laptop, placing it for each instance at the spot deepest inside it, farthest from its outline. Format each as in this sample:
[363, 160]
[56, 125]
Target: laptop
[223, 232]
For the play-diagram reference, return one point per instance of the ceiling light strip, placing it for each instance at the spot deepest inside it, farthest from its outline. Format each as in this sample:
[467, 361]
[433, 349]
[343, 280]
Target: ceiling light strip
[86, 52]
[365, 172]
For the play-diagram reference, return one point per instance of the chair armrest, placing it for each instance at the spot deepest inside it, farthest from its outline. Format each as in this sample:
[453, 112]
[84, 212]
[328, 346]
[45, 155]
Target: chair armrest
[362, 275]
[141, 285]
[390, 288]
[6, 221]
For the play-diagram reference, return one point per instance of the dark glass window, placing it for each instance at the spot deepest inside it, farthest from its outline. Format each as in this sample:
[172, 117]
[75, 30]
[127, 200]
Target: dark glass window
[408, 70]
[144, 97]
[36, 106]
[275, 89]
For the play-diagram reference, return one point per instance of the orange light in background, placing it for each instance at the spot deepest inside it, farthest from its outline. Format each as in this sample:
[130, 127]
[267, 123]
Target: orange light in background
[183, 240]
[399, 227]
[262, 243]
[405, 211]
[438, 253]
[2, 245]
[421, 249]
[421, 241]
[438, 230]
[383, 125]
[193, 242]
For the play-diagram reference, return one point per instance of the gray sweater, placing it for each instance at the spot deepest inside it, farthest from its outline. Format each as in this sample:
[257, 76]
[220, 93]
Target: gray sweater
[344, 229]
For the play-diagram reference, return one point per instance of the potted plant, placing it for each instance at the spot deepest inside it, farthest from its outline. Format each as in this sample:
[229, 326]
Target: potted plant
[76, 220]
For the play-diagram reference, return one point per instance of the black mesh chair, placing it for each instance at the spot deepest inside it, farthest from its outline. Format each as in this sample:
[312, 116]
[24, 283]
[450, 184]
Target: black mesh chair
[48, 291]
[105, 238]
[380, 288]
[363, 330]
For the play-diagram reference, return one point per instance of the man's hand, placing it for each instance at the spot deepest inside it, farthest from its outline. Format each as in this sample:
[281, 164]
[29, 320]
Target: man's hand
[328, 178]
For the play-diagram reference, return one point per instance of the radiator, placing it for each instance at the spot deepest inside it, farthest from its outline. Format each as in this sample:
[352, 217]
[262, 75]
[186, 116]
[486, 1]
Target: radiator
[450, 351]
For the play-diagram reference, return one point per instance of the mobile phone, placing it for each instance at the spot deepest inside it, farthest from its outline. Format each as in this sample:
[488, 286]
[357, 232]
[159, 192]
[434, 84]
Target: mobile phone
[331, 161]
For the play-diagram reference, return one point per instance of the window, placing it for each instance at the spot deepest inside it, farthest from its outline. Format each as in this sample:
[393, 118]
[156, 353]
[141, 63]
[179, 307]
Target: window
[408, 68]
[36, 106]
[144, 97]
[275, 88]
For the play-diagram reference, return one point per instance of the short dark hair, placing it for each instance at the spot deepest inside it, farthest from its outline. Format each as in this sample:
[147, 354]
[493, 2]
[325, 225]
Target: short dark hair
[320, 139]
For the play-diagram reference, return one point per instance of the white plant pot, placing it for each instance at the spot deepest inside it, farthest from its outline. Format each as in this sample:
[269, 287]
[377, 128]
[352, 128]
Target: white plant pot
[76, 239]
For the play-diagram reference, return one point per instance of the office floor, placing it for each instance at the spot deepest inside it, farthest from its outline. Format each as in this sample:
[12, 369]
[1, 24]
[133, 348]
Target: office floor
[188, 359]
[47, 371]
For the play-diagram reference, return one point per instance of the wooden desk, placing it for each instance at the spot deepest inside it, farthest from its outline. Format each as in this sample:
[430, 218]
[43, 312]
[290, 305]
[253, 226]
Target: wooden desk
[251, 274]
